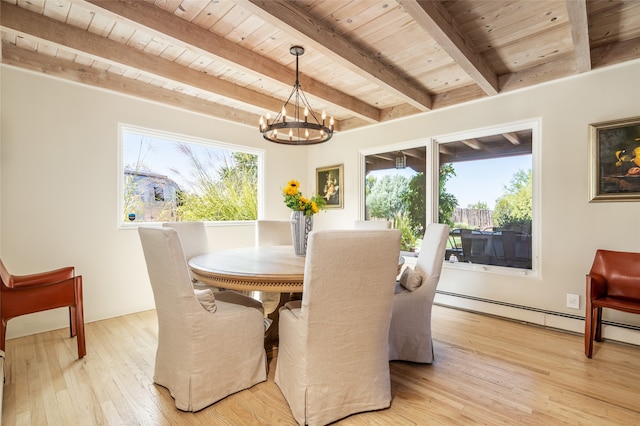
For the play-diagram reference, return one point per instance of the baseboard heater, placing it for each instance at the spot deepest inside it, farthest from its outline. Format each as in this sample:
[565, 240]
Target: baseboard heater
[529, 308]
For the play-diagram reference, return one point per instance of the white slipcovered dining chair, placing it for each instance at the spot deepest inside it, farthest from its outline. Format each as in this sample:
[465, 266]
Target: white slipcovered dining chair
[332, 356]
[273, 233]
[193, 237]
[410, 332]
[372, 224]
[209, 346]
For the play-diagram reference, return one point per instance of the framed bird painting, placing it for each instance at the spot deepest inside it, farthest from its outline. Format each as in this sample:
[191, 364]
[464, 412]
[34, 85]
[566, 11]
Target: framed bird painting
[614, 172]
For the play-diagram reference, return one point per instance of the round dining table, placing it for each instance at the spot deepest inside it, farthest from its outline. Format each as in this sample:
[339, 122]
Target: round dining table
[273, 269]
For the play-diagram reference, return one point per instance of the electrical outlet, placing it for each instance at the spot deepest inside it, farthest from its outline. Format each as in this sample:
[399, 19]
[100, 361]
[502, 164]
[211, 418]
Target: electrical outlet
[573, 301]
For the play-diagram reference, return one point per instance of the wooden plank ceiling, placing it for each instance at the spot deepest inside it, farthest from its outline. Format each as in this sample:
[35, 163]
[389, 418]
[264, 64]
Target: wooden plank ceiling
[366, 61]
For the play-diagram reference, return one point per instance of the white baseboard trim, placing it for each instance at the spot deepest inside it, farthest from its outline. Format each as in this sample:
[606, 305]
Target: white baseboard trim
[557, 320]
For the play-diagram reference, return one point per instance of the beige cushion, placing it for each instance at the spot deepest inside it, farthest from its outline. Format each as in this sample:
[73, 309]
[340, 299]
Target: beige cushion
[206, 299]
[410, 330]
[410, 279]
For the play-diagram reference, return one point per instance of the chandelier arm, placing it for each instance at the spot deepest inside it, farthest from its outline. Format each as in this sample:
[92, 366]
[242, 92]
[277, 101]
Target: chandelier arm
[306, 103]
[279, 115]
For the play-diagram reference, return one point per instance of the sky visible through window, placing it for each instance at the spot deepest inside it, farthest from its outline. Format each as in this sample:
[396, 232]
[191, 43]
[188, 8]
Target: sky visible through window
[164, 157]
[169, 177]
[484, 180]
[476, 181]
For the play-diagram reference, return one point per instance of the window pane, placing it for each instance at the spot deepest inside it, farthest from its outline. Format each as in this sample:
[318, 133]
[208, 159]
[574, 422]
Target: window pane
[486, 197]
[395, 191]
[173, 178]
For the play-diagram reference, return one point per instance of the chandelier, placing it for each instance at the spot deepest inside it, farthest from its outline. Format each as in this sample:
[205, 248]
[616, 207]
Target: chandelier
[291, 129]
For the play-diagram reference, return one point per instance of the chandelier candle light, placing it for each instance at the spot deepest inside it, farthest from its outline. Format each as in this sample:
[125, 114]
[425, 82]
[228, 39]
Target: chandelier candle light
[290, 129]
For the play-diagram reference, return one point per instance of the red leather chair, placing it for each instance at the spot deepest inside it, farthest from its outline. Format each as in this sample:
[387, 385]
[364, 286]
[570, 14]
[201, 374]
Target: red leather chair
[614, 283]
[26, 294]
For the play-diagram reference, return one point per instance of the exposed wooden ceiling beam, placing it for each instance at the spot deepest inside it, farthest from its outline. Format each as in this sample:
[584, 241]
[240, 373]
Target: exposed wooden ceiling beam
[435, 20]
[472, 143]
[398, 111]
[615, 53]
[577, 11]
[552, 70]
[457, 96]
[122, 37]
[415, 153]
[512, 137]
[383, 157]
[167, 25]
[283, 13]
[112, 52]
[444, 149]
[80, 73]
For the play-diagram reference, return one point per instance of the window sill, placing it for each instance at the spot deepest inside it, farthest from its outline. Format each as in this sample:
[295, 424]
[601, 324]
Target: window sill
[502, 270]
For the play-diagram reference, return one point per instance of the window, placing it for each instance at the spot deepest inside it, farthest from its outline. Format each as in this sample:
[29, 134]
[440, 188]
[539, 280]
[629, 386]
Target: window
[395, 191]
[159, 193]
[486, 196]
[167, 177]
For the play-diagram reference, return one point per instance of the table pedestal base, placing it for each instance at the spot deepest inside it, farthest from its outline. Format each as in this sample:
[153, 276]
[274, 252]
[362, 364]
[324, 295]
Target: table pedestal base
[272, 302]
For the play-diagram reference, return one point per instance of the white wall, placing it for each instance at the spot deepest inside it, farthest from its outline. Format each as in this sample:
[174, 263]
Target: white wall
[59, 174]
[571, 227]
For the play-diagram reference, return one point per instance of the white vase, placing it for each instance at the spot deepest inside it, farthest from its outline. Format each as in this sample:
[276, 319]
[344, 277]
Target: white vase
[301, 225]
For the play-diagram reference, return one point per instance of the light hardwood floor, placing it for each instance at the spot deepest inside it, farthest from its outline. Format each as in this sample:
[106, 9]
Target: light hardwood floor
[487, 371]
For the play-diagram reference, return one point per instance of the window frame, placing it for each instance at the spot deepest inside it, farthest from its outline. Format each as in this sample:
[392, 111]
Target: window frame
[181, 138]
[363, 153]
[433, 155]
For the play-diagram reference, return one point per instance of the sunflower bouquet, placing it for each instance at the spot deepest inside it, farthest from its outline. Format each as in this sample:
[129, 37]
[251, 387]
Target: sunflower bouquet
[294, 199]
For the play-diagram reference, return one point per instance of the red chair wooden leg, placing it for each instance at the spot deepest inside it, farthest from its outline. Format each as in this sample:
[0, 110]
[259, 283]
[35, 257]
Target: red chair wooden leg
[79, 319]
[72, 321]
[3, 333]
[598, 335]
[82, 348]
[588, 330]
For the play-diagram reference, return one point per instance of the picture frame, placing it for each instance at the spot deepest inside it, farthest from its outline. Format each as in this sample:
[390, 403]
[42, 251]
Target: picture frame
[614, 172]
[330, 185]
